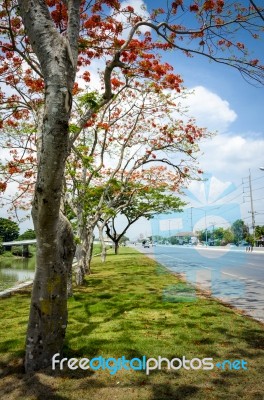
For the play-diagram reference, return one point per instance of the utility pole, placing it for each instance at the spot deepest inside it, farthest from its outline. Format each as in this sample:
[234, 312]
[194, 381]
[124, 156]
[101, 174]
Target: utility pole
[206, 236]
[191, 221]
[252, 207]
[213, 225]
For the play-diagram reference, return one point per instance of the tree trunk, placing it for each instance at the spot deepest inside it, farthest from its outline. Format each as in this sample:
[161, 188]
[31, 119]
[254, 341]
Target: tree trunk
[103, 252]
[48, 312]
[80, 251]
[116, 245]
[69, 282]
[103, 245]
[57, 57]
[80, 267]
[90, 240]
[83, 253]
[55, 240]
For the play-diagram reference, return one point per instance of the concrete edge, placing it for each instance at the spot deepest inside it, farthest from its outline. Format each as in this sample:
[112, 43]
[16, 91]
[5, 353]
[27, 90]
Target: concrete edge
[8, 292]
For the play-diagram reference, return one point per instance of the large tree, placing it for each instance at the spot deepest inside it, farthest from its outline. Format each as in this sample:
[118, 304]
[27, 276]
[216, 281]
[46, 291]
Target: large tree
[118, 147]
[59, 37]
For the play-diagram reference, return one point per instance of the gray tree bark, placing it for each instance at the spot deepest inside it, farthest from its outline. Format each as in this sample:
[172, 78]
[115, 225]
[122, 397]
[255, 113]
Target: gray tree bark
[90, 241]
[84, 248]
[57, 57]
[82, 255]
[103, 245]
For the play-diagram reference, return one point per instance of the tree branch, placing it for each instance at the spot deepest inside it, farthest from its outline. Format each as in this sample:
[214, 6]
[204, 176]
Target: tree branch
[257, 9]
[42, 33]
[73, 27]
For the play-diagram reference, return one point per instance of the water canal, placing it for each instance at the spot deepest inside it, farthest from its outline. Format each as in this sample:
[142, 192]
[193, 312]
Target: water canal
[16, 270]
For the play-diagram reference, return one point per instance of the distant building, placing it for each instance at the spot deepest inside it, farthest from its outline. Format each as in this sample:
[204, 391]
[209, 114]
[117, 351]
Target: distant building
[260, 242]
[186, 237]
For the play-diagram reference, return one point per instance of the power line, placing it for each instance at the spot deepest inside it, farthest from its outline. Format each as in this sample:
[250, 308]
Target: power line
[260, 177]
[258, 189]
[227, 201]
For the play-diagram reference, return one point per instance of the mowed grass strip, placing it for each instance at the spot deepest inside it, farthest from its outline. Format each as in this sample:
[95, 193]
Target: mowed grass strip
[132, 307]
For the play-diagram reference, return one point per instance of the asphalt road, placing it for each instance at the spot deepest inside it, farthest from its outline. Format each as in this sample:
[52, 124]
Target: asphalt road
[234, 276]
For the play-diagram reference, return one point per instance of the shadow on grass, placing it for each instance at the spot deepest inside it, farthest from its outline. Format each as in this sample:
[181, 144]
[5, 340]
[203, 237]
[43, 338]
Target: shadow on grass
[122, 311]
[9, 345]
[39, 384]
[254, 338]
[169, 392]
[22, 386]
[127, 254]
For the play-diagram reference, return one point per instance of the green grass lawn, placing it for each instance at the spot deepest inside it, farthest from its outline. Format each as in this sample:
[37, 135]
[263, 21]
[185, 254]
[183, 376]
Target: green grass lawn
[132, 307]
[97, 249]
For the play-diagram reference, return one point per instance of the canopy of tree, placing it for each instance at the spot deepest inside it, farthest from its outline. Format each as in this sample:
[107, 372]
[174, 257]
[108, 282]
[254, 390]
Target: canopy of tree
[9, 230]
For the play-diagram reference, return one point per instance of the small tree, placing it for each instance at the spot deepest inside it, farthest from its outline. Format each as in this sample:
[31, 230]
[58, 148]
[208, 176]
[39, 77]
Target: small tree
[259, 231]
[124, 239]
[145, 202]
[203, 235]
[240, 230]
[29, 234]
[228, 236]
[250, 239]
[173, 240]
[9, 230]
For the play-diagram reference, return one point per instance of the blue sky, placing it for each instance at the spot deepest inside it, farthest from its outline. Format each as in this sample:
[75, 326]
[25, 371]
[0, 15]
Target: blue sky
[244, 98]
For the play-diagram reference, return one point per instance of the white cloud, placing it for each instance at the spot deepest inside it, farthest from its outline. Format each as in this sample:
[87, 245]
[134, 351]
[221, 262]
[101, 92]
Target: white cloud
[140, 9]
[209, 109]
[139, 6]
[229, 159]
[232, 156]
[97, 66]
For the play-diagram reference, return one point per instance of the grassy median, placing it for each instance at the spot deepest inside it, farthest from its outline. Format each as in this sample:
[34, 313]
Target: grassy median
[132, 307]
